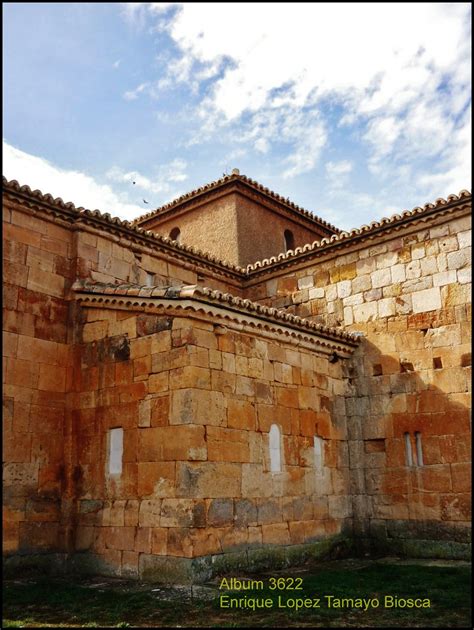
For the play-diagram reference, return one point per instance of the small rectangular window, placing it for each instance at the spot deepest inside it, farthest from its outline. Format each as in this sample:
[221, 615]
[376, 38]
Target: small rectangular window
[419, 450]
[150, 279]
[115, 451]
[318, 454]
[275, 448]
[409, 454]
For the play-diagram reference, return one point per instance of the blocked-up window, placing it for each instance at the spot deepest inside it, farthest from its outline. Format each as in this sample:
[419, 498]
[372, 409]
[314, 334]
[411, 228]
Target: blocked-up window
[318, 454]
[275, 448]
[419, 449]
[150, 279]
[408, 451]
[115, 451]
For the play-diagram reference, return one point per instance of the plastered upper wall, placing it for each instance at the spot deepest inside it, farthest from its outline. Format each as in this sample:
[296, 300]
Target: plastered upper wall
[211, 227]
[261, 232]
[236, 228]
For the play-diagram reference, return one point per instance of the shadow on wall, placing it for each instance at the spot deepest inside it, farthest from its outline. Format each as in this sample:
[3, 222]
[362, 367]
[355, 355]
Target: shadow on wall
[409, 449]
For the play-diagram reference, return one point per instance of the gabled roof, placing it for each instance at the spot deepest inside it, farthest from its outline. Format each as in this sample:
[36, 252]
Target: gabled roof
[229, 181]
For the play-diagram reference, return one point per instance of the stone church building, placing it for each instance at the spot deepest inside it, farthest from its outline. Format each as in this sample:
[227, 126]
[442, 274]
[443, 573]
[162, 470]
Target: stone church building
[230, 383]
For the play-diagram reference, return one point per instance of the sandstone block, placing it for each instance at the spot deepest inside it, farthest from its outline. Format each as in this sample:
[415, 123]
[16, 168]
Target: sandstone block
[459, 259]
[171, 443]
[156, 479]
[365, 312]
[427, 300]
[241, 415]
[197, 407]
[209, 480]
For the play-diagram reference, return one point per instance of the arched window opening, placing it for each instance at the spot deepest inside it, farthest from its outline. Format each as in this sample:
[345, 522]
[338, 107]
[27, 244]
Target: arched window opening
[318, 454]
[289, 240]
[175, 234]
[275, 448]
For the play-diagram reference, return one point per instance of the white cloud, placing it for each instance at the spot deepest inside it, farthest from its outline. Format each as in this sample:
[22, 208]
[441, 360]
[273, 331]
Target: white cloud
[337, 173]
[338, 168]
[165, 175]
[131, 95]
[73, 186]
[402, 71]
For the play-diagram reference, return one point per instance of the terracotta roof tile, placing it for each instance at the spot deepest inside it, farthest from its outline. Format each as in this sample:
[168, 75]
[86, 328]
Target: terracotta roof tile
[82, 213]
[365, 230]
[225, 300]
[234, 177]
[395, 221]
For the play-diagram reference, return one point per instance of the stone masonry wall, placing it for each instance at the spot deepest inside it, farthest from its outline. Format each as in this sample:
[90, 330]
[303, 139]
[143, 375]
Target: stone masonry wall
[37, 268]
[196, 402]
[410, 297]
[42, 256]
[105, 257]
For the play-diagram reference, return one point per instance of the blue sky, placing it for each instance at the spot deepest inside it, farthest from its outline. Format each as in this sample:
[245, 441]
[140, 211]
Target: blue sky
[353, 111]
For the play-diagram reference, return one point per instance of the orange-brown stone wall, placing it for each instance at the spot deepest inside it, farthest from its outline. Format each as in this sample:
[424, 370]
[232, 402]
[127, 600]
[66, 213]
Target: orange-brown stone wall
[196, 403]
[42, 256]
[37, 268]
[104, 257]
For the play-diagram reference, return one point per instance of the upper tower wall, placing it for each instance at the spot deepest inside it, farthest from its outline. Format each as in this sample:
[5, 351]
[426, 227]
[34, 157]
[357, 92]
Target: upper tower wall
[237, 220]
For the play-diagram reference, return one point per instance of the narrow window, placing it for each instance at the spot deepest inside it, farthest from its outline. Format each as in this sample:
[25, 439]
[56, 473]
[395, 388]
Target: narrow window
[175, 234]
[419, 450]
[275, 453]
[409, 454]
[289, 240]
[115, 451]
[318, 454]
[150, 279]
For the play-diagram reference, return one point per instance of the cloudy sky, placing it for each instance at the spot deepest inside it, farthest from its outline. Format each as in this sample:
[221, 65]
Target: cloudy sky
[354, 111]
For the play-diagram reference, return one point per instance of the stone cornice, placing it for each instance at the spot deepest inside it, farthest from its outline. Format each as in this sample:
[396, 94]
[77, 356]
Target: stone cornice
[136, 297]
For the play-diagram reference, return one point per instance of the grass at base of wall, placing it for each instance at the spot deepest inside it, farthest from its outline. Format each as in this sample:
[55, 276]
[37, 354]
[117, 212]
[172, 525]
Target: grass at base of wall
[118, 603]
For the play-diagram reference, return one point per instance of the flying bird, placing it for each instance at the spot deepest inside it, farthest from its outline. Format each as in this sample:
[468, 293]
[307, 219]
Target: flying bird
[134, 182]
[145, 201]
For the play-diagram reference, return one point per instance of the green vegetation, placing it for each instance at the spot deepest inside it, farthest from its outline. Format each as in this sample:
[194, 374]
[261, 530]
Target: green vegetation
[117, 603]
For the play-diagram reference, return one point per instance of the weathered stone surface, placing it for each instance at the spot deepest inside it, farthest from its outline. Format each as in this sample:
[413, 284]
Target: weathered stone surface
[196, 386]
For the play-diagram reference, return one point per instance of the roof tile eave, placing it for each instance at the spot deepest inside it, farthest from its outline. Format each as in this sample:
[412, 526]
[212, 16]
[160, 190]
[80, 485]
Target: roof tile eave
[290, 205]
[224, 300]
[347, 236]
[80, 212]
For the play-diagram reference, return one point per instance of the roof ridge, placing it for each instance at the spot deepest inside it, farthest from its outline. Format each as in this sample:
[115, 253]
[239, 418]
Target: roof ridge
[207, 294]
[237, 177]
[364, 229]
